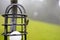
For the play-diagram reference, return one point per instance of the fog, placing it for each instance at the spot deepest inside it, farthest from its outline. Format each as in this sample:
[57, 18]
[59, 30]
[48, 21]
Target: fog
[40, 10]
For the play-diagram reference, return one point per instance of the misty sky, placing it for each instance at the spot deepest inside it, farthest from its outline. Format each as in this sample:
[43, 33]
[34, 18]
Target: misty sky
[42, 10]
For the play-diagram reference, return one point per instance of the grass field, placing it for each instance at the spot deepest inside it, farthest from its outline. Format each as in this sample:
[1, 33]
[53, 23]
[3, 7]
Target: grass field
[38, 30]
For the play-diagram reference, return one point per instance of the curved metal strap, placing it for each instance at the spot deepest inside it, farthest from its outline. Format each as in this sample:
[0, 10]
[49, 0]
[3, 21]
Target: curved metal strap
[9, 7]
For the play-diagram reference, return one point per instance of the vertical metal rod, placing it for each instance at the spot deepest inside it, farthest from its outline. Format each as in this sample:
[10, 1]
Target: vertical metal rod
[14, 20]
[22, 26]
[25, 28]
[5, 28]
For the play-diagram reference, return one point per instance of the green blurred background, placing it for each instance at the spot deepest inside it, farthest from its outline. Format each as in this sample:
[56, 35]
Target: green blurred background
[38, 30]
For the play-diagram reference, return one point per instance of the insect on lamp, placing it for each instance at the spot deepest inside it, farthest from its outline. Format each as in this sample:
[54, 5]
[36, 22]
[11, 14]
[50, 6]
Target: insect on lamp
[13, 33]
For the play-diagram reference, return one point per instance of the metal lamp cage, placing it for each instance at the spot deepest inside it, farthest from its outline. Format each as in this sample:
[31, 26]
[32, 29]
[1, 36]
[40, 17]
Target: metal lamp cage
[14, 16]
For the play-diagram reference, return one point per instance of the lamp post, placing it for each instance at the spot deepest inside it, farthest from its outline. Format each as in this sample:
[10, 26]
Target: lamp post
[14, 15]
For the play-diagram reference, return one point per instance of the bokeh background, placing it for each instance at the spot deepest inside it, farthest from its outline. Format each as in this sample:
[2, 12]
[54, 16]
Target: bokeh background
[44, 16]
